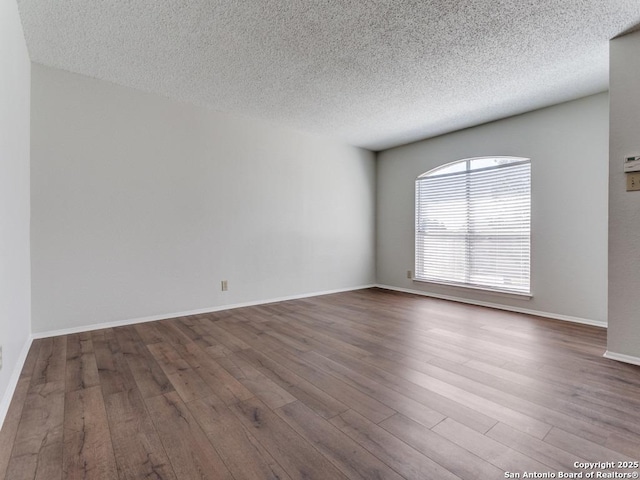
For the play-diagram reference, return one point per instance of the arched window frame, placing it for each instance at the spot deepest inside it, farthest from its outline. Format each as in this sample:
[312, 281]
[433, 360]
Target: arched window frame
[473, 224]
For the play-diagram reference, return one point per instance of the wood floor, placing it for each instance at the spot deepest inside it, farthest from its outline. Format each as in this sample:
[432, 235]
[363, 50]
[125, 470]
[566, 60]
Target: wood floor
[364, 385]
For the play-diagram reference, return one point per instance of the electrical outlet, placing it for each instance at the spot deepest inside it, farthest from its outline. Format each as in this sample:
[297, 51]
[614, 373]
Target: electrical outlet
[224, 285]
[409, 274]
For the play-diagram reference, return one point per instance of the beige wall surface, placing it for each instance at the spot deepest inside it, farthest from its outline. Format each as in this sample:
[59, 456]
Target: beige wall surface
[142, 205]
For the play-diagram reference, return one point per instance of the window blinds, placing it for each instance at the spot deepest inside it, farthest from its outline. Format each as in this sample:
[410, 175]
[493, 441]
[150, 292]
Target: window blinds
[473, 226]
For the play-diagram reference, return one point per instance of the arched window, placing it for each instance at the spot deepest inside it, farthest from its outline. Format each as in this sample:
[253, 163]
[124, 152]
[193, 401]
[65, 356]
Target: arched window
[473, 224]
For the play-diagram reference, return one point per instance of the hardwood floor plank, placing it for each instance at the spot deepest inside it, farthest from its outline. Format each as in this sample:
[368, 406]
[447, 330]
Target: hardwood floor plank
[261, 386]
[245, 457]
[352, 459]
[299, 458]
[560, 412]
[462, 391]
[218, 351]
[583, 382]
[202, 338]
[454, 458]
[503, 457]
[622, 444]
[190, 452]
[137, 447]
[148, 375]
[518, 347]
[32, 358]
[186, 326]
[223, 337]
[81, 367]
[225, 385]
[562, 387]
[317, 400]
[318, 338]
[255, 338]
[87, 451]
[271, 329]
[183, 378]
[115, 375]
[128, 338]
[404, 459]
[50, 365]
[585, 448]
[149, 333]
[37, 451]
[271, 368]
[379, 369]
[365, 405]
[555, 458]
[400, 403]
[171, 333]
[11, 423]
[394, 338]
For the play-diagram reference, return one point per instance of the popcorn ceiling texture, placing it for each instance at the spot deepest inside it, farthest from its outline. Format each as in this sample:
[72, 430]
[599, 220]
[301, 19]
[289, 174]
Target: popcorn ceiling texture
[372, 73]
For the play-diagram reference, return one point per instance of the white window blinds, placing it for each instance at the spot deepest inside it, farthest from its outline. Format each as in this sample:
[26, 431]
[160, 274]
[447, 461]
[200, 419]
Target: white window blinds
[473, 222]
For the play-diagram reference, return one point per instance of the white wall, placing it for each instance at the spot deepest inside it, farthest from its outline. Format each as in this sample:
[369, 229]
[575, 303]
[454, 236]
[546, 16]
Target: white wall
[567, 145]
[14, 198]
[142, 205]
[624, 207]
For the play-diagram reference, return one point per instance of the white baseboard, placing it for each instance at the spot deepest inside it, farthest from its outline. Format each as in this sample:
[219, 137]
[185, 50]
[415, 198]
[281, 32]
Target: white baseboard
[621, 357]
[153, 318]
[555, 316]
[13, 381]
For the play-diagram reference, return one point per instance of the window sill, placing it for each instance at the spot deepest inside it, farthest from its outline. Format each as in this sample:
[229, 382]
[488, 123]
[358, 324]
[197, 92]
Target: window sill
[490, 291]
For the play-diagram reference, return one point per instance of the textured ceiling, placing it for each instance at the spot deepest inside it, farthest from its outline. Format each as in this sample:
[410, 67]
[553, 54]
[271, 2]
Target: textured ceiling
[373, 73]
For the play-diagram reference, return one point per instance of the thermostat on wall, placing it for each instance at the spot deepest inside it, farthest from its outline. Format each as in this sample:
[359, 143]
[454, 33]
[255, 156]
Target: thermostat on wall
[632, 164]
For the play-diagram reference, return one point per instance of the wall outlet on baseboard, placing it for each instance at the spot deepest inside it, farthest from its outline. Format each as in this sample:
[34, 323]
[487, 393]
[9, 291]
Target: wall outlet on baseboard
[224, 286]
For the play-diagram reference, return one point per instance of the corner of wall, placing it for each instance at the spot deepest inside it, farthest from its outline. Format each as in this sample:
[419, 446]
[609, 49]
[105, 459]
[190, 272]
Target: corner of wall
[15, 138]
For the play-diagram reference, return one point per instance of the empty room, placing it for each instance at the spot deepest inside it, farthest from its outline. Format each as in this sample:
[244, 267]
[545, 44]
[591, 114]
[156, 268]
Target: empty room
[319, 240]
